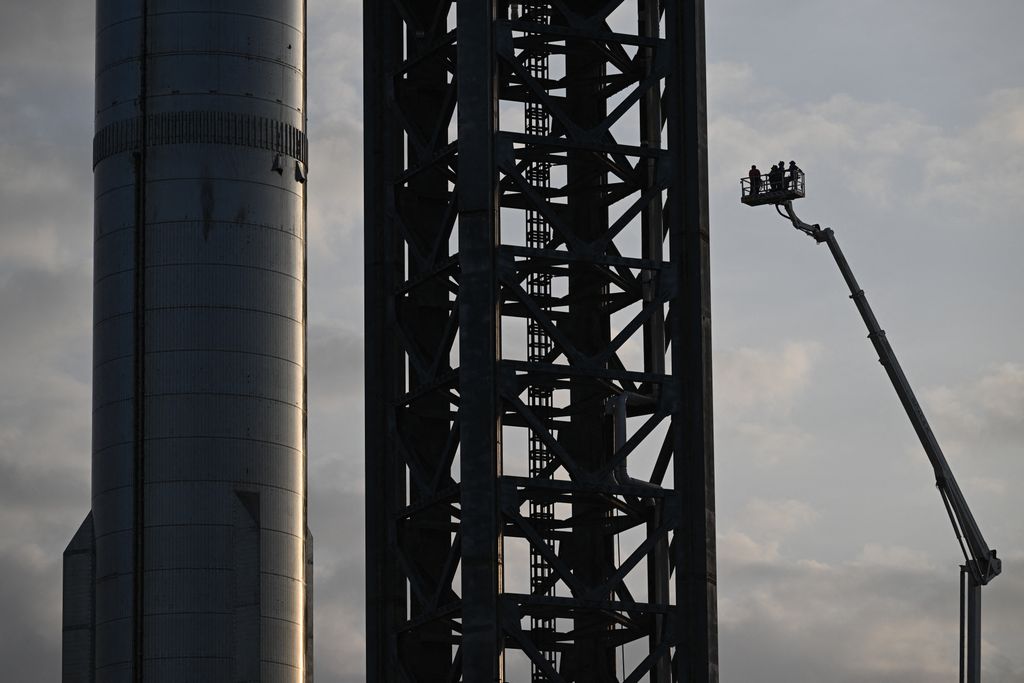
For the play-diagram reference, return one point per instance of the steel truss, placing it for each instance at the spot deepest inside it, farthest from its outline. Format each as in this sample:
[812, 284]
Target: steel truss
[540, 488]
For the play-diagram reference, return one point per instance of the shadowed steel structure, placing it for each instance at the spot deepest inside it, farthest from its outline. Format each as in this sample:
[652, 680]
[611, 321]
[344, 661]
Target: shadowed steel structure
[539, 466]
[195, 563]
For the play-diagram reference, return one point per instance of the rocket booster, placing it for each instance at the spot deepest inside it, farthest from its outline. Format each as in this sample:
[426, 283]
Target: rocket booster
[195, 563]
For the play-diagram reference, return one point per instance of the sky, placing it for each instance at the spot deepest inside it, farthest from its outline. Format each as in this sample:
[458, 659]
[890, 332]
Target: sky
[836, 560]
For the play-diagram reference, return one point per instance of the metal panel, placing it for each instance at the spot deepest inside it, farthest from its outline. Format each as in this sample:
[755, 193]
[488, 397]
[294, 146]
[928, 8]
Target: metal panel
[239, 461]
[229, 330]
[209, 547]
[192, 670]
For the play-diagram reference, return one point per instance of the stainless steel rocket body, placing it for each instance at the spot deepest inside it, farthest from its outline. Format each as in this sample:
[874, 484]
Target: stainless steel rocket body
[201, 558]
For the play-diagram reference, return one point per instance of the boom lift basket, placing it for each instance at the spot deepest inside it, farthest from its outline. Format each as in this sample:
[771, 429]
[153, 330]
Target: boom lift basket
[789, 188]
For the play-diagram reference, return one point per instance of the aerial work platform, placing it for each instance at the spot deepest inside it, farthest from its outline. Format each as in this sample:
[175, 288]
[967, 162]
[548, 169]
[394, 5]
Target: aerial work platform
[772, 188]
[981, 563]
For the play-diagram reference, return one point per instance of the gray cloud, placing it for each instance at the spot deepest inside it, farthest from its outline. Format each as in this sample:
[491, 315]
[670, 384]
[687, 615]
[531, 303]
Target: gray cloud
[990, 406]
[336, 495]
[336, 364]
[887, 618]
[30, 596]
[49, 38]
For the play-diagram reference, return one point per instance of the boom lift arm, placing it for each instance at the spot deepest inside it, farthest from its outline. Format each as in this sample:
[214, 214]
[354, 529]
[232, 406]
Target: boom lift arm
[981, 563]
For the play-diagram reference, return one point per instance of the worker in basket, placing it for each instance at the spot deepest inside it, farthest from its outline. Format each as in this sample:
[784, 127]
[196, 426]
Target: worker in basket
[794, 176]
[755, 180]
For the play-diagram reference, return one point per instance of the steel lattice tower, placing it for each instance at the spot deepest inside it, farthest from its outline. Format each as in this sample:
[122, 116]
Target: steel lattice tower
[540, 488]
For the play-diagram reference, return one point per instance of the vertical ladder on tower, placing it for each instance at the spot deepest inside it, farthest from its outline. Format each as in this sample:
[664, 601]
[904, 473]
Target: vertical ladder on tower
[538, 286]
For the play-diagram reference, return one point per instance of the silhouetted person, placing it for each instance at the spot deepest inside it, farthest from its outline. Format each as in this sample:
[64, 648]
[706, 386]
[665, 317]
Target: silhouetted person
[755, 180]
[776, 176]
[794, 176]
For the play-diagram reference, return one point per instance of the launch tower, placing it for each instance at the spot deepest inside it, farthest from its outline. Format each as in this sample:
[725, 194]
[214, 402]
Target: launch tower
[539, 467]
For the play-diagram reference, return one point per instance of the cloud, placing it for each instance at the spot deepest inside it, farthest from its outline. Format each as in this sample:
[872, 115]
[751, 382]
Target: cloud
[30, 598]
[756, 534]
[45, 305]
[45, 41]
[47, 201]
[778, 517]
[876, 140]
[768, 443]
[335, 130]
[44, 456]
[982, 166]
[45, 411]
[736, 547]
[336, 497]
[1000, 393]
[756, 390]
[889, 151]
[874, 555]
[43, 310]
[989, 407]
[749, 378]
[886, 615]
[335, 365]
